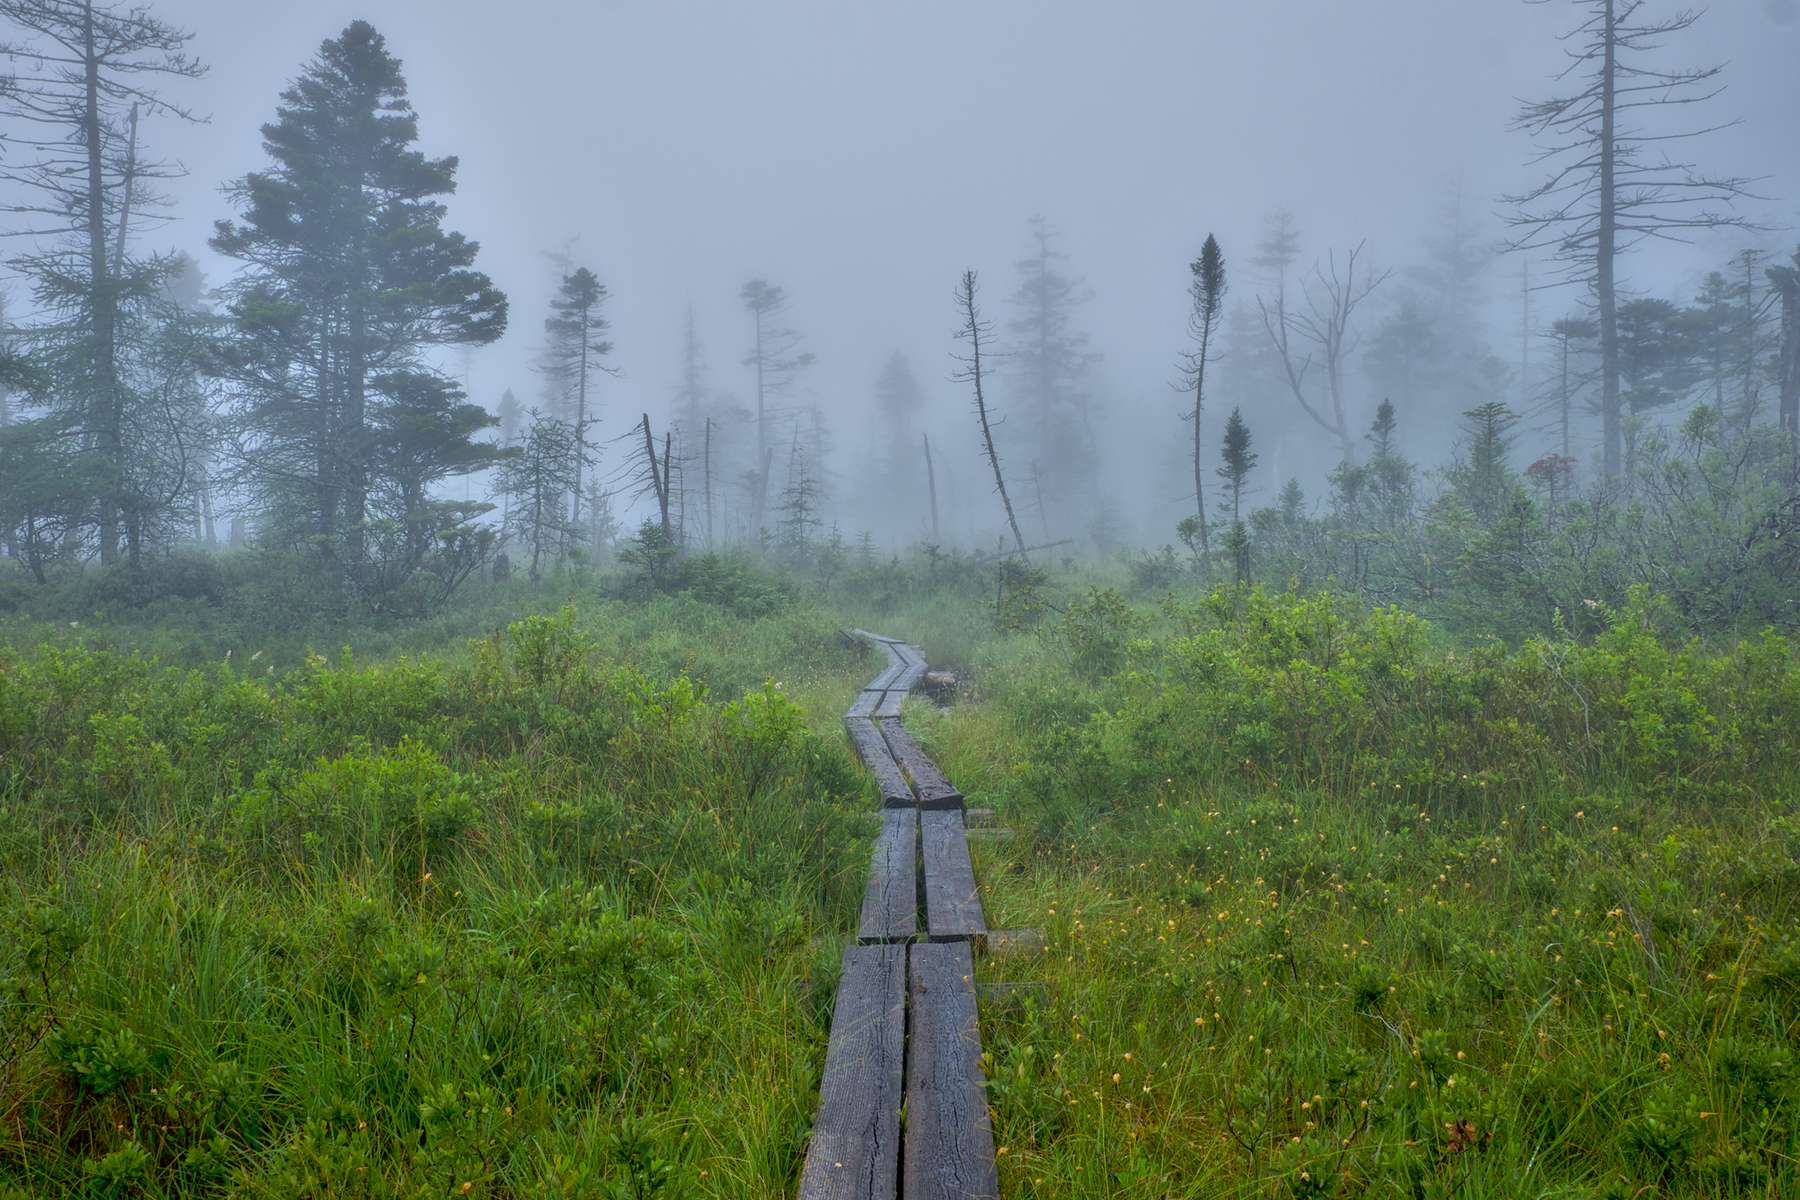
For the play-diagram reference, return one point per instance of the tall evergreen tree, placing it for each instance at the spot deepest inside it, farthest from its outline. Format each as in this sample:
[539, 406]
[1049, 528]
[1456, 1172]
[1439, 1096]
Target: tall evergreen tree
[349, 279]
[1053, 364]
[1236, 461]
[899, 402]
[1484, 478]
[1206, 290]
[777, 357]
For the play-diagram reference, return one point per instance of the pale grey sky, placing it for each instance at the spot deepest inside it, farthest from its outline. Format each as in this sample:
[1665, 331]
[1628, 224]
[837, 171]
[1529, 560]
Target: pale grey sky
[861, 153]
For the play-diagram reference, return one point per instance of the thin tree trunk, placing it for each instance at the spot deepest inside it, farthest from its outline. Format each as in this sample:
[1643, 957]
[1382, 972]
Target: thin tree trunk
[664, 492]
[987, 431]
[355, 439]
[130, 188]
[1563, 397]
[1199, 471]
[1747, 371]
[659, 478]
[581, 387]
[709, 485]
[1604, 253]
[931, 486]
[764, 454]
[107, 418]
[1037, 498]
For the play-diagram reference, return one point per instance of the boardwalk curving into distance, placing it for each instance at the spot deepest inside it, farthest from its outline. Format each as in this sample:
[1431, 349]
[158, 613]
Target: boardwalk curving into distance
[904, 1032]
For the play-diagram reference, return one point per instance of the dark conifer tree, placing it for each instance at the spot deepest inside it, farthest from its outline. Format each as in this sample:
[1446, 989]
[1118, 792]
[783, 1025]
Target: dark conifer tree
[1237, 460]
[349, 278]
[1207, 290]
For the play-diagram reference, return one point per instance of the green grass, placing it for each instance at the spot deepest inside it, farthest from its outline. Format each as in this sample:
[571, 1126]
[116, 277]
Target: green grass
[1332, 909]
[518, 920]
[1334, 905]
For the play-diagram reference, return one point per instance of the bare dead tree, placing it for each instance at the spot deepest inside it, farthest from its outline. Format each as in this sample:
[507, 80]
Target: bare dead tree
[1612, 182]
[972, 333]
[81, 66]
[657, 474]
[646, 471]
[1319, 331]
[931, 487]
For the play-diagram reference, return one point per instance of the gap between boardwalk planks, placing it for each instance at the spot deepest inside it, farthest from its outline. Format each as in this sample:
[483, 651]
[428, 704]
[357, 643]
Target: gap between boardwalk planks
[934, 790]
[873, 749]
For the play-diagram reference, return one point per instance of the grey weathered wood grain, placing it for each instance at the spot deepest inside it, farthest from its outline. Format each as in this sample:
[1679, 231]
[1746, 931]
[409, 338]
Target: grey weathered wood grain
[866, 702]
[913, 663]
[952, 905]
[890, 675]
[890, 910]
[880, 761]
[949, 1153]
[854, 1153]
[890, 704]
[934, 790]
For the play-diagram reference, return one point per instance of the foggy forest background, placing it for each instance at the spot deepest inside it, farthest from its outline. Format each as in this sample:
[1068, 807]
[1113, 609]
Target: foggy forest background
[1494, 378]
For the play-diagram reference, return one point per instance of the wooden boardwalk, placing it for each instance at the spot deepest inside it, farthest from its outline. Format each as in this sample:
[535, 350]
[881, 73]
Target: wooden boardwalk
[902, 1107]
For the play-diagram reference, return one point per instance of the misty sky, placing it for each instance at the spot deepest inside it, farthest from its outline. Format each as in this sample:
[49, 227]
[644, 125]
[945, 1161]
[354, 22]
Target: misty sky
[863, 153]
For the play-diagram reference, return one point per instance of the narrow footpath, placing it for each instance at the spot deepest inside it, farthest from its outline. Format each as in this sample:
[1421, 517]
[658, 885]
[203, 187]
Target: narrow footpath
[904, 1035]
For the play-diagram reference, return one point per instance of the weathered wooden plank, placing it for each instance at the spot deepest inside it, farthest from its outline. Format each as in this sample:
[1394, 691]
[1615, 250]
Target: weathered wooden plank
[890, 909]
[880, 638]
[952, 905]
[890, 704]
[914, 671]
[909, 654]
[880, 761]
[866, 702]
[935, 791]
[890, 675]
[854, 1153]
[949, 1152]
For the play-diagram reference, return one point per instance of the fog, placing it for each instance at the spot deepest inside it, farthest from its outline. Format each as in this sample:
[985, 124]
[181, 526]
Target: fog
[861, 155]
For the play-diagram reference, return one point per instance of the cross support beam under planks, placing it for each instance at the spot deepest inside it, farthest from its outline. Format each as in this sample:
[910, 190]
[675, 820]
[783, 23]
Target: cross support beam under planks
[854, 1153]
